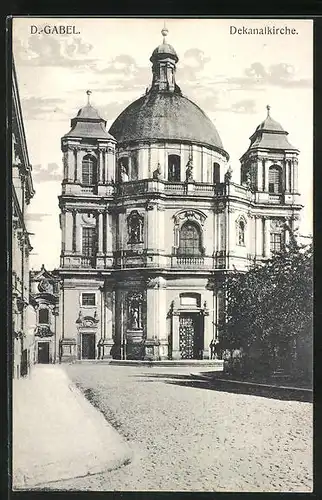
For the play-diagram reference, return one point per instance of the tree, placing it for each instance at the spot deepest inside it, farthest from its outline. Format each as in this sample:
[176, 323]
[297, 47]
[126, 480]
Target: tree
[269, 309]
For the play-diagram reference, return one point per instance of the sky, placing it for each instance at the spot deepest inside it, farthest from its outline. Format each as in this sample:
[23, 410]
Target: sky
[231, 77]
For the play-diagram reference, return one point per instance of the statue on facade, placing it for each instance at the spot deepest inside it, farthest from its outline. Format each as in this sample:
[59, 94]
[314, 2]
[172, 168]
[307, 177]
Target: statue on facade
[157, 172]
[248, 180]
[124, 174]
[80, 317]
[135, 228]
[135, 232]
[228, 174]
[134, 316]
[189, 170]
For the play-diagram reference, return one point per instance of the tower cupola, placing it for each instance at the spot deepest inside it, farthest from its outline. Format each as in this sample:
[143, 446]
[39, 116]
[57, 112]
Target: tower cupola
[88, 123]
[164, 59]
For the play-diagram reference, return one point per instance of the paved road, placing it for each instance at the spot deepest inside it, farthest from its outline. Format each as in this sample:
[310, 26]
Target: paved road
[195, 438]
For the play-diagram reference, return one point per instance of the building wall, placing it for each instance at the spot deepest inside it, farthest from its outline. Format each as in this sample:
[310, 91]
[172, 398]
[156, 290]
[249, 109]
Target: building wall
[22, 192]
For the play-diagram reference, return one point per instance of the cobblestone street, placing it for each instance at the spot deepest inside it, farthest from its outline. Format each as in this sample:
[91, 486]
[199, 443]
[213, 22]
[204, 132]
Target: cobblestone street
[188, 438]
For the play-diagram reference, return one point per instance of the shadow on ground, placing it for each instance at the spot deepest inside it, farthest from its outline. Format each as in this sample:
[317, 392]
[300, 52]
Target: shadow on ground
[186, 380]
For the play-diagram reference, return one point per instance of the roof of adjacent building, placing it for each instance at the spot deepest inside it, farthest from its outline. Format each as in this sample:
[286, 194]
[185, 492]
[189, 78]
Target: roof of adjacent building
[270, 135]
[162, 116]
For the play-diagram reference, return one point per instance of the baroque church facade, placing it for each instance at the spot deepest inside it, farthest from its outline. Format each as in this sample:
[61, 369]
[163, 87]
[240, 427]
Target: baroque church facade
[151, 222]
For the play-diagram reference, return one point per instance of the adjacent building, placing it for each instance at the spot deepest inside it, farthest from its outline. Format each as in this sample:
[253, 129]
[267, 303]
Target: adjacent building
[22, 192]
[44, 288]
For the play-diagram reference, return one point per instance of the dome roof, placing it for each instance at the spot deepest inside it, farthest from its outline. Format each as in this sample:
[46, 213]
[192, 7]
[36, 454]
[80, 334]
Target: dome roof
[164, 49]
[165, 116]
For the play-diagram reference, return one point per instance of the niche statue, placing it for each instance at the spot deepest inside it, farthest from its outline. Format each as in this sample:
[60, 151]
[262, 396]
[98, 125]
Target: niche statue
[157, 172]
[124, 174]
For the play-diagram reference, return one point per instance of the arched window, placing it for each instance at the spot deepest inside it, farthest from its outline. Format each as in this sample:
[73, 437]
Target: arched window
[216, 173]
[135, 227]
[189, 239]
[43, 316]
[275, 179]
[241, 233]
[89, 170]
[174, 174]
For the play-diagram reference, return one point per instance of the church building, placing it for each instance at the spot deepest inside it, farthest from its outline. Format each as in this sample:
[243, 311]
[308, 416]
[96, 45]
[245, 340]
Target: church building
[152, 221]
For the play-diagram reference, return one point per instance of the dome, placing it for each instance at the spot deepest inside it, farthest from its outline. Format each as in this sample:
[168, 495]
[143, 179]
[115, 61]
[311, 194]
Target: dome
[163, 113]
[165, 116]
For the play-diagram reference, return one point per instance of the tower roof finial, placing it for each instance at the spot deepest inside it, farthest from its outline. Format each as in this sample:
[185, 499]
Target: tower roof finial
[164, 32]
[268, 110]
[88, 92]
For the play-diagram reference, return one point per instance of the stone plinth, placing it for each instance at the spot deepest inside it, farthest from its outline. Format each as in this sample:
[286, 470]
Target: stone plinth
[67, 350]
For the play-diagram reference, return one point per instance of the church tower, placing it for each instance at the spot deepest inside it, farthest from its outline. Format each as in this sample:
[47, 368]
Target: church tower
[270, 168]
[87, 191]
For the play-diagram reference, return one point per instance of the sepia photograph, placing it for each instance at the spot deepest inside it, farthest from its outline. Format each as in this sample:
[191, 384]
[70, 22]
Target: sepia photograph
[161, 185]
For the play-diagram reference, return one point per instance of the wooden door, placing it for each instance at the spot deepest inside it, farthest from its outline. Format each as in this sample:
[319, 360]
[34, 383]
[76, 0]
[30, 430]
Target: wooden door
[88, 346]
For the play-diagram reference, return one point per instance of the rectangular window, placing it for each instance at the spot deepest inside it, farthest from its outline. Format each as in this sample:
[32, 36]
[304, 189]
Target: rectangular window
[276, 242]
[89, 241]
[43, 316]
[88, 299]
[188, 301]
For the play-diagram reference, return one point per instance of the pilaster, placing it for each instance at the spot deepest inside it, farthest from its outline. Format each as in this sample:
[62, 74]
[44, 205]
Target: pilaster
[259, 235]
[266, 177]
[295, 176]
[260, 172]
[266, 225]
[156, 324]
[78, 164]
[68, 231]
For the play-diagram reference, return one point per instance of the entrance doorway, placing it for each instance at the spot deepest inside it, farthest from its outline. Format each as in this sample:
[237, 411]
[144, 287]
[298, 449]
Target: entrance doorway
[43, 352]
[191, 335]
[88, 345]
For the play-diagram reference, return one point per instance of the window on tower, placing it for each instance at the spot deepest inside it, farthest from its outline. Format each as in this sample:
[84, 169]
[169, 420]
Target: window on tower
[275, 179]
[89, 241]
[190, 239]
[216, 173]
[89, 170]
[174, 174]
